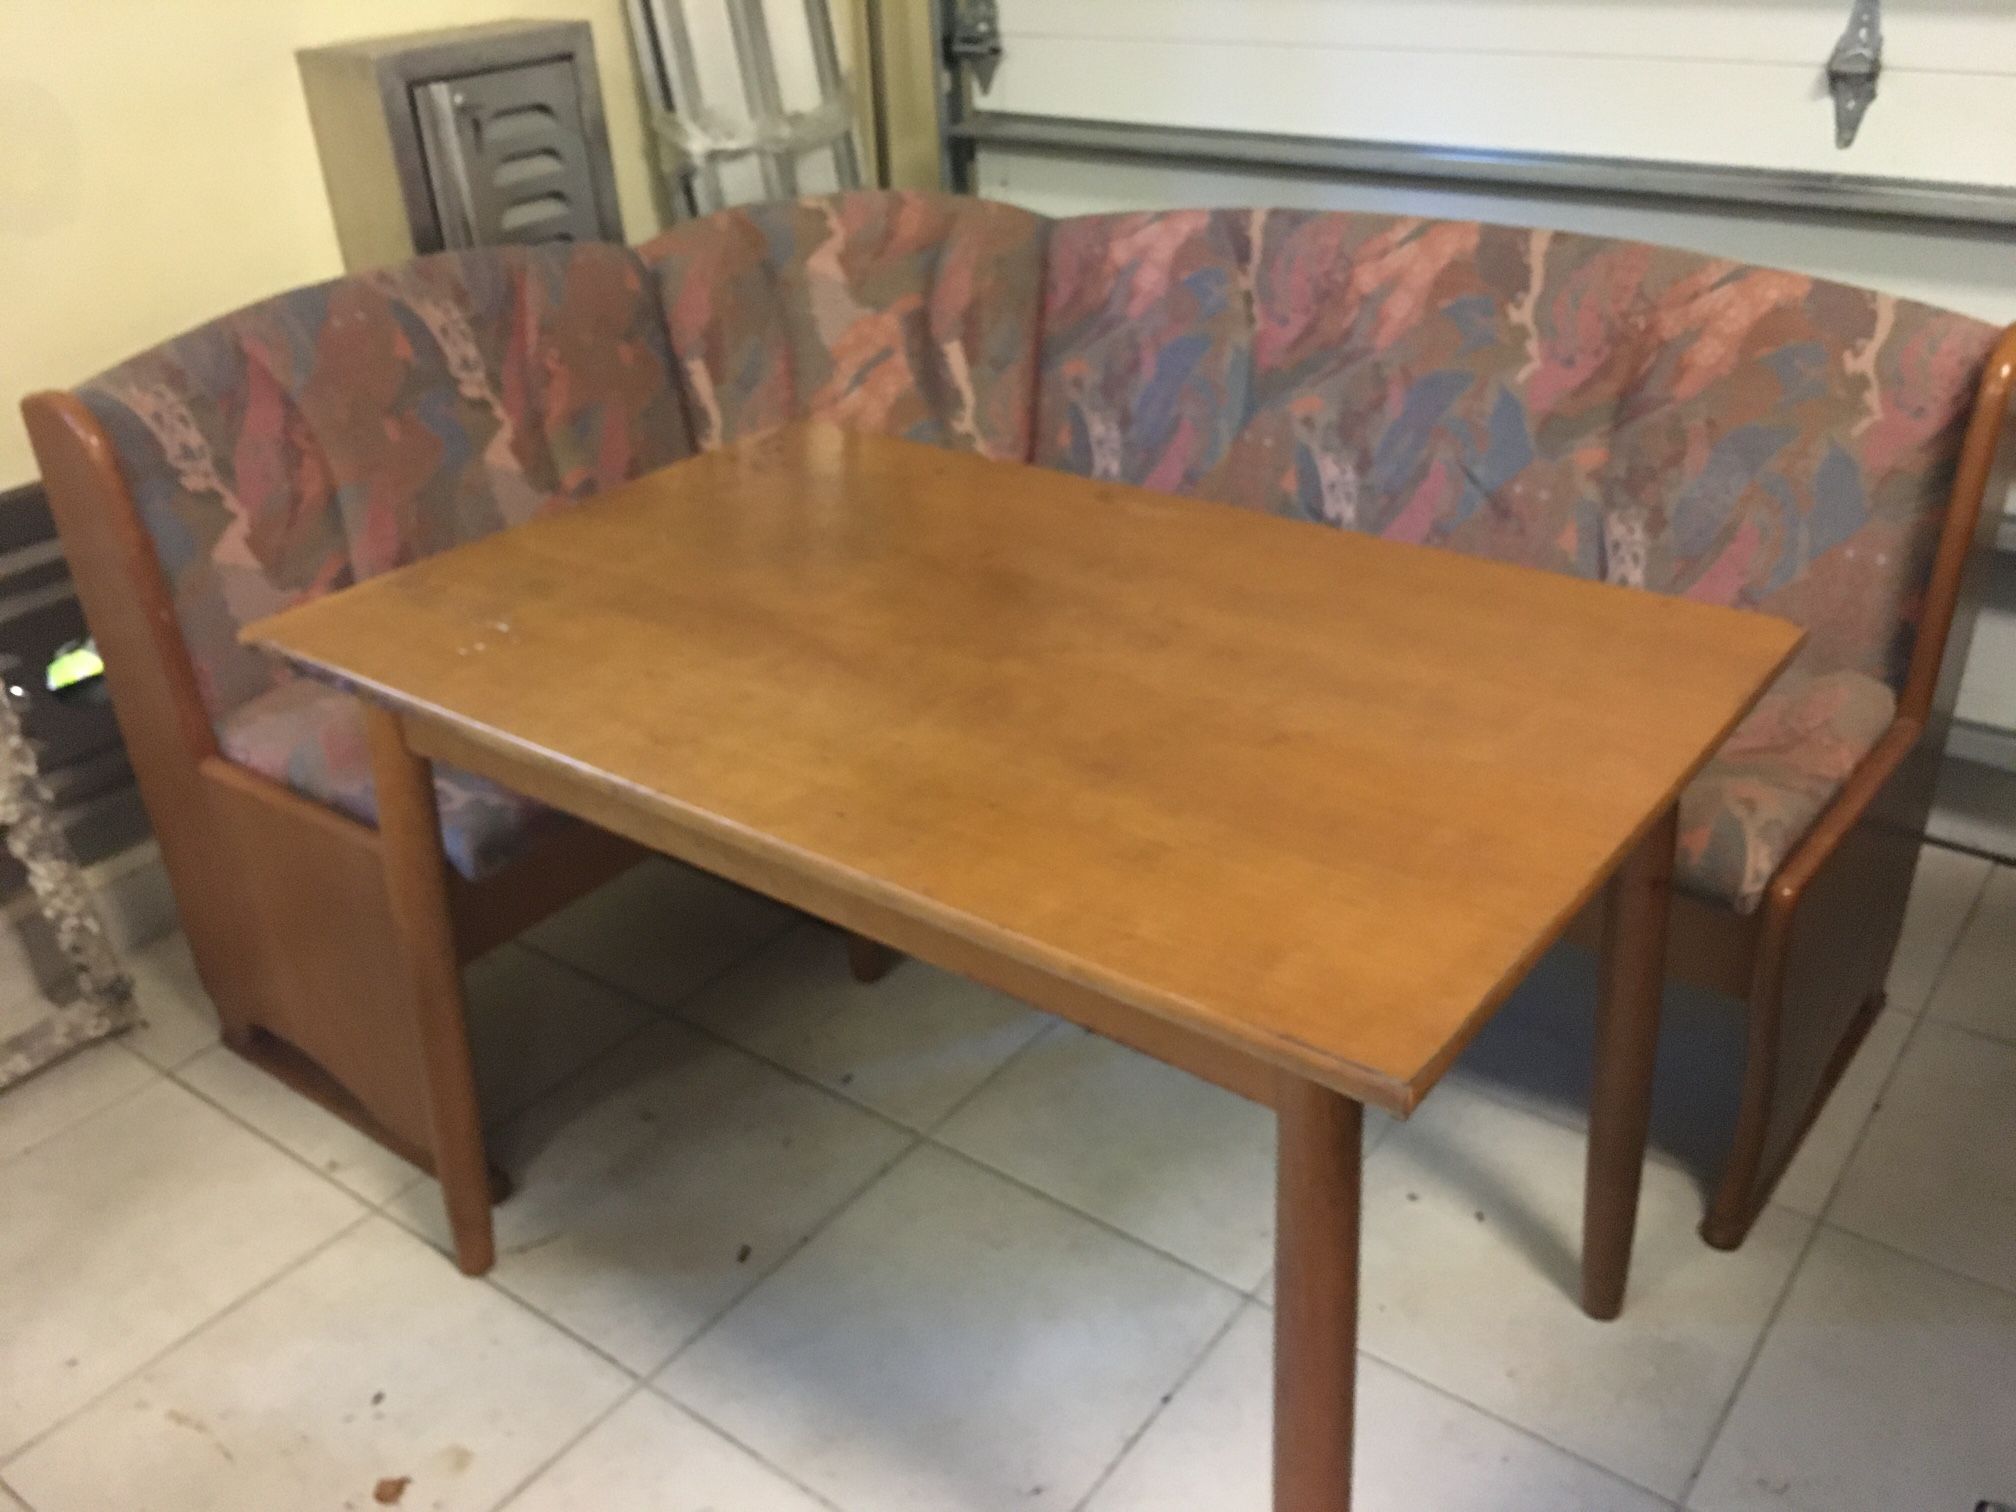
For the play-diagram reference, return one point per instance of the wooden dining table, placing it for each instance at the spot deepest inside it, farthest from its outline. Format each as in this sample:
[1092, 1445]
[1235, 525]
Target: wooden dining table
[1293, 809]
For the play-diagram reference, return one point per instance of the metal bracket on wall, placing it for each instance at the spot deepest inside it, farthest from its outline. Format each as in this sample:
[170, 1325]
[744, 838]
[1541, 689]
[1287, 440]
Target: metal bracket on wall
[975, 39]
[1854, 68]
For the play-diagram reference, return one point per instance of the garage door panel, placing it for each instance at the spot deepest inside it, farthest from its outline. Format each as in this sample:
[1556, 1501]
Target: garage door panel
[1924, 35]
[1955, 128]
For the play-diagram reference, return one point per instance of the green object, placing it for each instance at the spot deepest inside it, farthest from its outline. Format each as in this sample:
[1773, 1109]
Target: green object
[76, 663]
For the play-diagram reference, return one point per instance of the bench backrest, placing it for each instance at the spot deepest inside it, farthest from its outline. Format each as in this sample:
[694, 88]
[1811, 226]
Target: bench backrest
[1582, 404]
[911, 315]
[1623, 412]
[335, 432]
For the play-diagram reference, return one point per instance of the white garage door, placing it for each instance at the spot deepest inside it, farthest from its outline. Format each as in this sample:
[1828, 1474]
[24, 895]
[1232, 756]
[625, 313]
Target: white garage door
[1730, 83]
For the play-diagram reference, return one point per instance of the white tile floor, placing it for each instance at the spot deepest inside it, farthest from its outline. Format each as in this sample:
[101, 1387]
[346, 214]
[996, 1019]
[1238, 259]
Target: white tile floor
[784, 1243]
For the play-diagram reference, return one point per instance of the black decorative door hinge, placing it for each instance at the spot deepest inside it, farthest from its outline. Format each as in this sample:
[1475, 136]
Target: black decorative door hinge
[975, 39]
[1854, 68]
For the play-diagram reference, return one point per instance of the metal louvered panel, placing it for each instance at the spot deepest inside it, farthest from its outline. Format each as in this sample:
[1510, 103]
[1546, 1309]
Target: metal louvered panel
[507, 156]
[459, 138]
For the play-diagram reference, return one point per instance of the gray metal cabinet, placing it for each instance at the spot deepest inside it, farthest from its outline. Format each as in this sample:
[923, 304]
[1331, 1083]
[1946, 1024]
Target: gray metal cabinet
[462, 138]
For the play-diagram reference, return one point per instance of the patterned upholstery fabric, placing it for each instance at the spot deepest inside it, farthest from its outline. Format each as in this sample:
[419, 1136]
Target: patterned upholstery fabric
[1635, 414]
[1741, 817]
[1600, 407]
[1407, 385]
[910, 315]
[311, 738]
[334, 432]
[331, 433]
[1147, 347]
[1640, 415]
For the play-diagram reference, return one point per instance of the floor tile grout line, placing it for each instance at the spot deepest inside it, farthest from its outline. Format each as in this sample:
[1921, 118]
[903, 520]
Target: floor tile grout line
[1493, 1090]
[1952, 950]
[2001, 1042]
[924, 1130]
[294, 1155]
[1243, 1300]
[666, 1017]
[182, 1062]
[1247, 1297]
[525, 941]
[1861, 1139]
[650, 1378]
[1821, 1221]
[489, 1279]
[1521, 1428]
[1899, 1253]
[1162, 1403]
[368, 1208]
[1494, 1093]
[662, 1017]
[930, 1132]
[1253, 1304]
[524, 1483]
[917, 1138]
[652, 1389]
[174, 1073]
[791, 1073]
[14, 1456]
[719, 1040]
[1513, 1426]
[1026, 1048]
[1755, 1353]
[84, 1118]
[656, 1017]
[759, 1278]
[1958, 848]
[1230, 1288]
[1921, 1023]
[622, 1042]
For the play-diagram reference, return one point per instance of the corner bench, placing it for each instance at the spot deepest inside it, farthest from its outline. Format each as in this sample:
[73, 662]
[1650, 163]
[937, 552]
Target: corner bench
[1576, 404]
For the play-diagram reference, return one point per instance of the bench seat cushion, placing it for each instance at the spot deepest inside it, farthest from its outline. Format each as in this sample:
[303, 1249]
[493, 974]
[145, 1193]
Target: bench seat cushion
[1741, 817]
[311, 738]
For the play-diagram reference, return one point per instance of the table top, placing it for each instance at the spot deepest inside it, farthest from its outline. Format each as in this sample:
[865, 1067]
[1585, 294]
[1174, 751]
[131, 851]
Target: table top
[1318, 796]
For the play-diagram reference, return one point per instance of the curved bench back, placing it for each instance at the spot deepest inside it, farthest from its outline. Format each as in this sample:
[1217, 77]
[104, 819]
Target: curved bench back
[1622, 412]
[335, 432]
[911, 315]
[1618, 411]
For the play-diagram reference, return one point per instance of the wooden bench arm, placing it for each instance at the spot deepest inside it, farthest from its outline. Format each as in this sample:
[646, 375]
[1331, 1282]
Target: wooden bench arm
[1864, 784]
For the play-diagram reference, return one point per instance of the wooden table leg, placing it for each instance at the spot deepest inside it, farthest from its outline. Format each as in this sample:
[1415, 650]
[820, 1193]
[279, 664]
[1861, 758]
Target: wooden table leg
[1315, 1297]
[416, 878]
[869, 960]
[1633, 977]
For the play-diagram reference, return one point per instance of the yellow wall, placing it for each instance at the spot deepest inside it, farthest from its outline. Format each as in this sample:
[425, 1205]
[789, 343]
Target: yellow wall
[157, 167]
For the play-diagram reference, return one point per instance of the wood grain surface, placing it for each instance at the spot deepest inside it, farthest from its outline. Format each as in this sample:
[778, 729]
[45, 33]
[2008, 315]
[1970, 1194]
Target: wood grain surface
[1315, 796]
